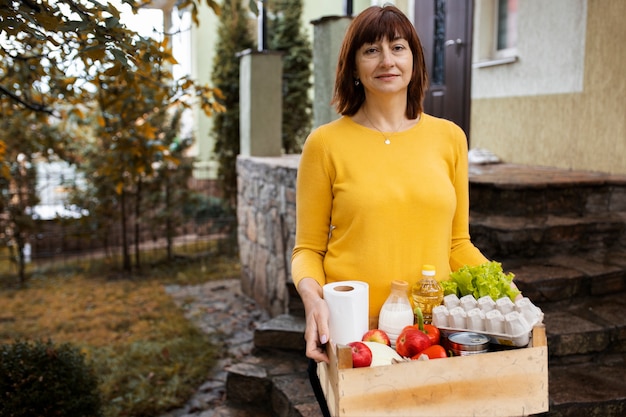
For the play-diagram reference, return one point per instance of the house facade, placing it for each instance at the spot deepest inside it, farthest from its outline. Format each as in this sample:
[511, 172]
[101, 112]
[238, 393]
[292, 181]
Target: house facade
[555, 98]
[561, 101]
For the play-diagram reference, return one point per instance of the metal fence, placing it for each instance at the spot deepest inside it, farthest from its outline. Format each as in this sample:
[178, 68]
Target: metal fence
[194, 240]
[56, 243]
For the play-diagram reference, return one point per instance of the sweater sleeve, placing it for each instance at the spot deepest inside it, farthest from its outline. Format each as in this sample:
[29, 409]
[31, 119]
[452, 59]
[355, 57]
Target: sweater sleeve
[313, 211]
[462, 251]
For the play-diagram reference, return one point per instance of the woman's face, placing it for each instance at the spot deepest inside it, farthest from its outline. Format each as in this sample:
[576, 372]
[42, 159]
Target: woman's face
[385, 67]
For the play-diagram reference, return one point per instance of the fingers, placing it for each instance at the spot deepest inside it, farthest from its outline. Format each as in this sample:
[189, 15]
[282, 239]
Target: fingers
[315, 345]
[316, 351]
[317, 332]
[322, 318]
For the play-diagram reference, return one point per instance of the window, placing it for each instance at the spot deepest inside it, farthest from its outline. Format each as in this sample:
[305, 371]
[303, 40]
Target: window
[506, 29]
[495, 32]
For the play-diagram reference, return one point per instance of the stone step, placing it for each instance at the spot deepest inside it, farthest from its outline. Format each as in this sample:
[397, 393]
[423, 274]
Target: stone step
[497, 189]
[559, 199]
[588, 389]
[272, 380]
[568, 277]
[285, 332]
[584, 329]
[501, 236]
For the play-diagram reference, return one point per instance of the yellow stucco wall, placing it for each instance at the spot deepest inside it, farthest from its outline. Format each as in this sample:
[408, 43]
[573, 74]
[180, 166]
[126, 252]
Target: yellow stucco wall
[584, 130]
[581, 130]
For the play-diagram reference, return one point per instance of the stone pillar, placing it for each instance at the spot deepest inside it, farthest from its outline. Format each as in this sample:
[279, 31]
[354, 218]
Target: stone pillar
[260, 103]
[328, 33]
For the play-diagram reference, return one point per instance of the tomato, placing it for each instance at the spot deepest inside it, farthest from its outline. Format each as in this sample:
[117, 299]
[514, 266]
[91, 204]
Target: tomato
[433, 352]
[433, 333]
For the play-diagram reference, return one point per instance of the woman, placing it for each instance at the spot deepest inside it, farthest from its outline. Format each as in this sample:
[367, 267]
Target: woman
[384, 189]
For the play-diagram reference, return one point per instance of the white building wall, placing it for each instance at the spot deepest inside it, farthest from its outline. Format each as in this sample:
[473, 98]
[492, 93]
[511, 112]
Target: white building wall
[551, 50]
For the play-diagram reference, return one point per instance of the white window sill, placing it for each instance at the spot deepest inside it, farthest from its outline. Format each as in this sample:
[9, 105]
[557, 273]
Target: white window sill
[494, 62]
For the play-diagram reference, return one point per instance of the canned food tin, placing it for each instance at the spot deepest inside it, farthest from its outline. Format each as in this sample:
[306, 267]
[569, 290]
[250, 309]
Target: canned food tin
[467, 343]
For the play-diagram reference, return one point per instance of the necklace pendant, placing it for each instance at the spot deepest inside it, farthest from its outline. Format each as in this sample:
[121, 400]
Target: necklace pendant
[387, 141]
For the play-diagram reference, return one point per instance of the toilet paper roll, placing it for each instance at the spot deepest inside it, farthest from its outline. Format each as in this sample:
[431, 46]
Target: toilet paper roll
[348, 303]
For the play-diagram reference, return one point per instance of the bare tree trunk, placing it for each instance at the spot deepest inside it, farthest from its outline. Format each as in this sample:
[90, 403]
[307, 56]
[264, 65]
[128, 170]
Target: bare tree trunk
[169, 232]
[137, 224]
[18, 258]
[21, 264]
[126, 266]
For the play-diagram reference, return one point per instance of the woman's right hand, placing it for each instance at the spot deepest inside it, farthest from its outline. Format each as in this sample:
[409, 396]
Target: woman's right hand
[316, 333]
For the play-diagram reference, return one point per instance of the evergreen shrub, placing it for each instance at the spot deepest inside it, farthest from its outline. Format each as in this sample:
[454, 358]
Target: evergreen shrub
[43, 379]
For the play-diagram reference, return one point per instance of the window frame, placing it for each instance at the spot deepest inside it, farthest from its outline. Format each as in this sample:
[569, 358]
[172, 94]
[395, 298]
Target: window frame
[486, 53]
[510, 52]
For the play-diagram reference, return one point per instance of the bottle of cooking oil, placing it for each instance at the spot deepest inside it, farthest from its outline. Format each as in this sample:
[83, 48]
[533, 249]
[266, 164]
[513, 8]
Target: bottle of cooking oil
[427, 293]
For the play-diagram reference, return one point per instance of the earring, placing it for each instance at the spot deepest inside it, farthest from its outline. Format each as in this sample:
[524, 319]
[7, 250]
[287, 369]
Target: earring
[357, 82]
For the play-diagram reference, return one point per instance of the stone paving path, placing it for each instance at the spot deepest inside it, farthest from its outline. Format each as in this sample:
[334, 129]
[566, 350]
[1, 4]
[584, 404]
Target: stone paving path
[220, 309]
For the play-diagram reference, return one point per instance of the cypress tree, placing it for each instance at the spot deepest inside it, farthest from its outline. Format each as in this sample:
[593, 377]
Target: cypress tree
[233, 37]
[289, 36]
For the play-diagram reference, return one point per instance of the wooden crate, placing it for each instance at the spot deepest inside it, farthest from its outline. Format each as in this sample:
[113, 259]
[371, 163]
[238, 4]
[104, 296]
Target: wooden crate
[505, 383]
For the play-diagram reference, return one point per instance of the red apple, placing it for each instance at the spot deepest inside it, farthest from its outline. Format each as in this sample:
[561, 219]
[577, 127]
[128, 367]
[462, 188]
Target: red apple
[361, 354]
[376, 335]
[411, 341]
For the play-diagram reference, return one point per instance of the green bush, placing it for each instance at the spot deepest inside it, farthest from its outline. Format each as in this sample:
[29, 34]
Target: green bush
[40, 380]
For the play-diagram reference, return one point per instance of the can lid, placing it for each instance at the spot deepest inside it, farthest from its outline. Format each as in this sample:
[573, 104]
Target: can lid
[468, 341]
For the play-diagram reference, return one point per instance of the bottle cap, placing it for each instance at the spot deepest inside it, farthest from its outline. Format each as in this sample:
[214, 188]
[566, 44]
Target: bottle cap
[428, 270]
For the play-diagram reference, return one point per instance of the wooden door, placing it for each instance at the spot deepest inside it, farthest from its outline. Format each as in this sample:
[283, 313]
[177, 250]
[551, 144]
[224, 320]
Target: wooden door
[445, 29]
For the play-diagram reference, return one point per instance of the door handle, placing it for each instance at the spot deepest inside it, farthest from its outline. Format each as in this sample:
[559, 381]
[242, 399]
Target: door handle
[456, 42]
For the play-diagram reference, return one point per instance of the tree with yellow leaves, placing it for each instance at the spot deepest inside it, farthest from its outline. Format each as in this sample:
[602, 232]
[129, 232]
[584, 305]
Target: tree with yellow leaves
[74, 80]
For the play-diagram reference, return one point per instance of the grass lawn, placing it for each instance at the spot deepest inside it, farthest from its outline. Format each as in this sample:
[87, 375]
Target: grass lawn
[149, 358]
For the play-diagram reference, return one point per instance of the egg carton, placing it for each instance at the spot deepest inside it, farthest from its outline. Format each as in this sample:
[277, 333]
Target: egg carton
[504, 322]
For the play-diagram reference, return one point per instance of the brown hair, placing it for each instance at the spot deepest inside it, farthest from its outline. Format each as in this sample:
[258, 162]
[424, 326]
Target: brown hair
[371, 25]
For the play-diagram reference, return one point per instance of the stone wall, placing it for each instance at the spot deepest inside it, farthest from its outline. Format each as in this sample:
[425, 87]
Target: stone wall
[266, 217]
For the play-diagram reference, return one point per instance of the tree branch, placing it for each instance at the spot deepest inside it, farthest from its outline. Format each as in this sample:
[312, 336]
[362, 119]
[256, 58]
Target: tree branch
[31, 106]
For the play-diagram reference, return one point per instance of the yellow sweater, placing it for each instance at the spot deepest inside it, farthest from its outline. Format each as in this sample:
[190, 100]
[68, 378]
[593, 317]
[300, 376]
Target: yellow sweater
[373, 212]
